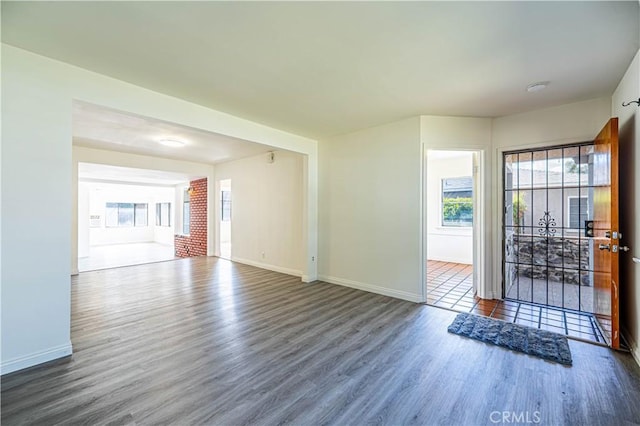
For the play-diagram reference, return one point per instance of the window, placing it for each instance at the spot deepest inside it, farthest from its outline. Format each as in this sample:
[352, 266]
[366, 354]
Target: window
[457, 201]
[578, 211]
[186, 212]
[122, 215]
[226, 206]
[140, 216]
[163, 214]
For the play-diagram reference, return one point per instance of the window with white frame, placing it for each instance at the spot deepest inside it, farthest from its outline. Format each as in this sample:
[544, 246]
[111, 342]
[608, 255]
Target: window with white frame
[226, 206]
[122, 215]
[163, 214]
[457, 201]
[578, 211]
[186, 212]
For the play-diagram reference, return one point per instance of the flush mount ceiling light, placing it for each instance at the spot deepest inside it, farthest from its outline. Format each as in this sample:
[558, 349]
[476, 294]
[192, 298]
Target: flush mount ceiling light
[173, 143]
[536, 87]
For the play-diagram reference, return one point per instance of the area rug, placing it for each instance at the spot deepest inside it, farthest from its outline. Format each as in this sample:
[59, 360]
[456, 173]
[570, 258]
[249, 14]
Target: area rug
[541, 343]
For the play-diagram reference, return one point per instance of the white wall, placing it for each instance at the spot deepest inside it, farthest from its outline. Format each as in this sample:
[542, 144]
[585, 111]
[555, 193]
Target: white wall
[37, 95]
[446, 243]
[101, 193]
[370, 210]
[629, 122]
[36, 216]
[266, 211]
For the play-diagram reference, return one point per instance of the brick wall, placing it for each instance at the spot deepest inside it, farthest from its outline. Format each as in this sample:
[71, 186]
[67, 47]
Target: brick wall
[195, 244]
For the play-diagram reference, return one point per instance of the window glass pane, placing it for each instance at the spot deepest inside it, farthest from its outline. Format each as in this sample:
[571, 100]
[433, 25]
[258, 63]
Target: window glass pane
[508, 172]
[226, 206]
[125, 214]
[186, 217]
[141, 218]
[578, 211]
[165, 214]
[111, 215]
[457, 201]
[162, 214]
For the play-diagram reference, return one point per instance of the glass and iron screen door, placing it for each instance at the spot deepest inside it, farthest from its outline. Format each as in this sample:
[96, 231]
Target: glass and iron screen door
[606, 233]
[548, 200]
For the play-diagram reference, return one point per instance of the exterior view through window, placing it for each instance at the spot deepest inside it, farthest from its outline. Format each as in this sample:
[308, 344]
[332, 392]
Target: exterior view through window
[457, 201]
[126, 215]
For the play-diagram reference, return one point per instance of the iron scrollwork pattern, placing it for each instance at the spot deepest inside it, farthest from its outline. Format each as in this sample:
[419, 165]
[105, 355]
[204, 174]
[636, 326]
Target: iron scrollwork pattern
[547, 225]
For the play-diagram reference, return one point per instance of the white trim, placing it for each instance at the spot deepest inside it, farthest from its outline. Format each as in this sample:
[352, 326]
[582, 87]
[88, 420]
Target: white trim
[423, 222]
[371, 288]
[481, 282]
[633, 346]
[268, 267]
[35, 358]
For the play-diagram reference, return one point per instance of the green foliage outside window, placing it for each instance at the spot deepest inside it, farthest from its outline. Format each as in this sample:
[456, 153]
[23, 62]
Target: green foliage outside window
[457, 211]
[519, 208]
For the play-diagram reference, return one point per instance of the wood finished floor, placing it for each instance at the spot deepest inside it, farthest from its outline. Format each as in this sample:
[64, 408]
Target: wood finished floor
[207, 341]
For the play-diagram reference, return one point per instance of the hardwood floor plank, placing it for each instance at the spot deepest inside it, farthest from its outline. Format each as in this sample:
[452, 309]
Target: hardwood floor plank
[206, 341]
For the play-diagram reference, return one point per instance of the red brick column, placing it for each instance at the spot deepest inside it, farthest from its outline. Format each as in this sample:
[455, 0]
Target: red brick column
[195, 244]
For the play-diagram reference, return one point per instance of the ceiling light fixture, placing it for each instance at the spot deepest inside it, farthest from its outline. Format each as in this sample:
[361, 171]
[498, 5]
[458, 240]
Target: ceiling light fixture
[173, 143]
[536, 87]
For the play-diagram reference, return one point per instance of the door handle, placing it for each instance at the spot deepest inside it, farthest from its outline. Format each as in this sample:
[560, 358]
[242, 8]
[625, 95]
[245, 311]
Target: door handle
[605, 247]
[624, 248]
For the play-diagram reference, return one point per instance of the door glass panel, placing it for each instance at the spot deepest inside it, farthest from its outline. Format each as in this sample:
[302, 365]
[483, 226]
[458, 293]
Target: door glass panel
[547, 199]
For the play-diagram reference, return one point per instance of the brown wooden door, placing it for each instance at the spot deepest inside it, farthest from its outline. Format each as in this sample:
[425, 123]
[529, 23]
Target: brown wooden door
[605, 244]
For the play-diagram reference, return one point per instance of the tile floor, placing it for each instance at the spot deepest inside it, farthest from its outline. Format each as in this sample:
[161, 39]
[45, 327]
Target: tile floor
[450, 286]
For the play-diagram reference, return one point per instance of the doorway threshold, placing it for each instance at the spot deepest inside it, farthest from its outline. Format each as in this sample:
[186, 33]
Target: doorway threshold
[450, 287]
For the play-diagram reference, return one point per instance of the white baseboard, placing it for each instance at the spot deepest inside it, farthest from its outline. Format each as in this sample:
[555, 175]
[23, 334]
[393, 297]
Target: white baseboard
[633, 346]
[267, 266]
[35, 358]
[371, 288]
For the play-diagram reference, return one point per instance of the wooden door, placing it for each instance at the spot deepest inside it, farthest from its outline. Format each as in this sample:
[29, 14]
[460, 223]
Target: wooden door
[605, 244]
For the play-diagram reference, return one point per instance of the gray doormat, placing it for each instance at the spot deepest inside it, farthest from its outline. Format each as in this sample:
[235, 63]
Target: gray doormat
[531, 341]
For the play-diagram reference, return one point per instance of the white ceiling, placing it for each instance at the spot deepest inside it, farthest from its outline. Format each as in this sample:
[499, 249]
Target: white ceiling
[101, 173]
[103, 128]
[324, 68]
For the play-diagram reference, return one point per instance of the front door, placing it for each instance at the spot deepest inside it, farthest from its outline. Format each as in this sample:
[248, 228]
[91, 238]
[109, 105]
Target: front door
[607, 233]
[561, 235]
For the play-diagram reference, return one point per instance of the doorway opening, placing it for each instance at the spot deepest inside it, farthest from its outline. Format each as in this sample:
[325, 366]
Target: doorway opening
[125, 216]
[452, 238]
[225, 219]
[548, 225]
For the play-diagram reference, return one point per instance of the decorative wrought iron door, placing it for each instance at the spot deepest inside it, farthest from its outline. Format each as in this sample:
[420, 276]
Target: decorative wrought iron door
[548, 213]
